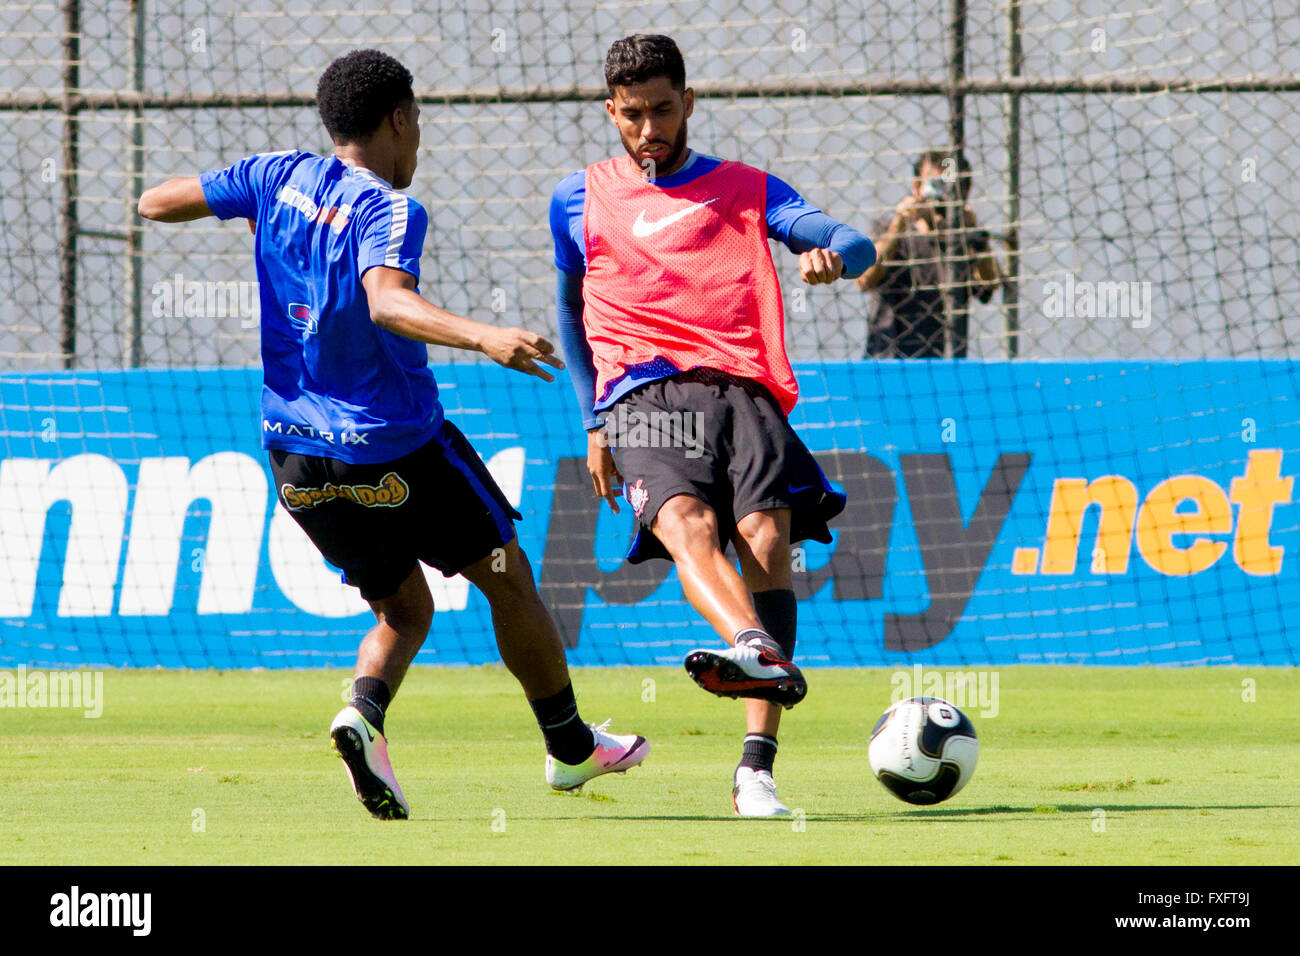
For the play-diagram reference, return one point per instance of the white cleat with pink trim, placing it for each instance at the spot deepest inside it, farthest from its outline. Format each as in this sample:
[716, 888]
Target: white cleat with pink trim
[614, 753]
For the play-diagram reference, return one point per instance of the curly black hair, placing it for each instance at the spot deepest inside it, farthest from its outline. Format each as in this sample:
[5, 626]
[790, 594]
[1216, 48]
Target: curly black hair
[358, 90]
[641, 57]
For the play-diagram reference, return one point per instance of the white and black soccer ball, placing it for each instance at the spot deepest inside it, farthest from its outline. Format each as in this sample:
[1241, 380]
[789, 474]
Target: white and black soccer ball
[923, 750]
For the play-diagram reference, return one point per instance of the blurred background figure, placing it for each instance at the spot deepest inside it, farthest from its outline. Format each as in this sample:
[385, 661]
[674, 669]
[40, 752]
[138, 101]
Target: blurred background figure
[931, 258]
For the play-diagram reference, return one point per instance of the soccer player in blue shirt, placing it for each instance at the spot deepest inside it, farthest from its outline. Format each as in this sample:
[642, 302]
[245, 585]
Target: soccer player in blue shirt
[362, 455]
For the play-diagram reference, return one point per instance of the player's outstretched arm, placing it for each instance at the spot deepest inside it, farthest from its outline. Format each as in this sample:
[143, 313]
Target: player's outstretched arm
[397, 307]
[177, 200]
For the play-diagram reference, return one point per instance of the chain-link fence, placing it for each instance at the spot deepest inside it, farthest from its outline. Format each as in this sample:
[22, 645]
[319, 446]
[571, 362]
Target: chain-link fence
[1138, 160]
[1131, 195]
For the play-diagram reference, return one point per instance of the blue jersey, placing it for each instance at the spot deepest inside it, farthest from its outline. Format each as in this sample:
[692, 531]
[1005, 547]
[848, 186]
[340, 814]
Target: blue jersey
[335, 384]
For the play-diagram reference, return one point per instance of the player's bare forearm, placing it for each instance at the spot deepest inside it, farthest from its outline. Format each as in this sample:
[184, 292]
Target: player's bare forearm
[398, 308]
[406, 313]
[177, 200]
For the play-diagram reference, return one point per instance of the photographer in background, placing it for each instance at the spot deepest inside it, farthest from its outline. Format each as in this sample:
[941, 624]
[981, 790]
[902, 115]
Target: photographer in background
[931, 258]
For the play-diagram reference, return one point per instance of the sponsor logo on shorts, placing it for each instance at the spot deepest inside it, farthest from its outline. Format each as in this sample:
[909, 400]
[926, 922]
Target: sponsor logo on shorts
[637, 496]
[389, 493]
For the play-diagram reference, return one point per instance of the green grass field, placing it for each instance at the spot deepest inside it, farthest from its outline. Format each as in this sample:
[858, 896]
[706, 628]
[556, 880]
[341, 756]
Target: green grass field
[235, 768]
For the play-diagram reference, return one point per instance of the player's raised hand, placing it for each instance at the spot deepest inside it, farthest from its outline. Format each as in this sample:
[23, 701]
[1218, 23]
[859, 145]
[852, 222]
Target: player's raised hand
[606, 481]
[820, 266]
[521, 350]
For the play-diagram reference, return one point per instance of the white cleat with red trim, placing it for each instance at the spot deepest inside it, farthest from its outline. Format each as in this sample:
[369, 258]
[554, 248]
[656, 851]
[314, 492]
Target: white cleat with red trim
[747, 670]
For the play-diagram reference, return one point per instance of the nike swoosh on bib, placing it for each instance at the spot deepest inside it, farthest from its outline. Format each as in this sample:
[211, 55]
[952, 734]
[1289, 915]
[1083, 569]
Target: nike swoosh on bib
[641, 228]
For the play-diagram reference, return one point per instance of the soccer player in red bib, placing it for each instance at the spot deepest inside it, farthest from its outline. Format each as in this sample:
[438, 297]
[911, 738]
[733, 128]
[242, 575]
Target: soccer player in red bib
[671, 323]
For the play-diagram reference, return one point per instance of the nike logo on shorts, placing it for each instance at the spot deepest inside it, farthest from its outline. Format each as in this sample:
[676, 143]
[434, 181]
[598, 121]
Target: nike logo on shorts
[641, 228]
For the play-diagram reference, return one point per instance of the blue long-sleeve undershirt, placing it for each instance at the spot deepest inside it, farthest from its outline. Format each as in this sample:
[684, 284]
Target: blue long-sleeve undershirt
[573, 343]
[816, 230]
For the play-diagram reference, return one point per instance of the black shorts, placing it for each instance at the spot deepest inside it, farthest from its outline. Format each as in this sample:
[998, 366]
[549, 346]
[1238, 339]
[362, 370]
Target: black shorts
[439, 505]
[723, 440]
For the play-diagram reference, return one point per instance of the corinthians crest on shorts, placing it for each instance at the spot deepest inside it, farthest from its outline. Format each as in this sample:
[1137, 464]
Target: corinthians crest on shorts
[637, 496]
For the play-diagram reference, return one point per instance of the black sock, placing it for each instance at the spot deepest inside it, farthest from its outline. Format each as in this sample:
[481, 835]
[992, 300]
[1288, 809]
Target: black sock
[759, 752]
[568, 739]
[371, 696]
[779, 612]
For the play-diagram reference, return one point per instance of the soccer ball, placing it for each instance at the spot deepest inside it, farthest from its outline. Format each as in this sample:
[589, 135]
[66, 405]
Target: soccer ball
[923, 750]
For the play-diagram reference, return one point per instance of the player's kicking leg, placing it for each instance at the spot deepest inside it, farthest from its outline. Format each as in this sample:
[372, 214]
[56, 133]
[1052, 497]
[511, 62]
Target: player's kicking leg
[759, 627]
[744, 460]
[754, 666]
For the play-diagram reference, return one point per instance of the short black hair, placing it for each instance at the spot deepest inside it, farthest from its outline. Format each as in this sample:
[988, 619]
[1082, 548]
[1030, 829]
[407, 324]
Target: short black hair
[938, 157]
[642, 57]
[358, 90]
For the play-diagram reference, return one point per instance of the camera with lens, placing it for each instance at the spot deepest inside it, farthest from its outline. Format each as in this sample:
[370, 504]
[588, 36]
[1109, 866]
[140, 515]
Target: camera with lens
[937, 190]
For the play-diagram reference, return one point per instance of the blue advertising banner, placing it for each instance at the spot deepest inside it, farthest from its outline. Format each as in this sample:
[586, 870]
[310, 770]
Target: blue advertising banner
[999, 513]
